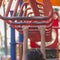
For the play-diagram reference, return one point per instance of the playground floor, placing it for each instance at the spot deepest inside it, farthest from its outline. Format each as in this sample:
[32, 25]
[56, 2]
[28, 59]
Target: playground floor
[7, 58]
[53, 59]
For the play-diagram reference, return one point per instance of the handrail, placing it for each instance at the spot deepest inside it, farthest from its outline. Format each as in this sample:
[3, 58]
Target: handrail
[24, 18]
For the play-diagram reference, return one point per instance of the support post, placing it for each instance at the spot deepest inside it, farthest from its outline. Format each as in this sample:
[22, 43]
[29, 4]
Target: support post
[20, 40]
[13, 42]
[25, 44]
[20, 46]
[42, 32]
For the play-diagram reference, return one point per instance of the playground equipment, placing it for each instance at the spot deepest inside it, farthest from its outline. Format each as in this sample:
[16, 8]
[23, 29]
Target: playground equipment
[0, 2]
[54, 2]
[41, 22]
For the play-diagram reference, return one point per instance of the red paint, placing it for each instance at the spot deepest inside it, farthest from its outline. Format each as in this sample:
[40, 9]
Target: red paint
[54, 45]
[1, 2]
[35, 36]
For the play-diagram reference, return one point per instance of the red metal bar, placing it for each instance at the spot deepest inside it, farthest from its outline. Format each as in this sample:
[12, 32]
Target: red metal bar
[1, 2]
[29, 13]
[16, 7]
[8, 8]
[34, 7]
[25, 12]
[47, 22]
[49, 25]
[21, 9]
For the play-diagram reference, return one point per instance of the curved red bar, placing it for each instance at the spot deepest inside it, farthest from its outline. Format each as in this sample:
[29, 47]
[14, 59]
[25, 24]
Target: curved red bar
[1, 2]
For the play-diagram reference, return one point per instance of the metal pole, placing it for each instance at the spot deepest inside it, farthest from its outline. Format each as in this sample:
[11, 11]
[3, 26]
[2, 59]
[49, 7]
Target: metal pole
[1, 2]
[42, 32]
[13, 42]
[5, 31]
[25, 43]
[20, 40]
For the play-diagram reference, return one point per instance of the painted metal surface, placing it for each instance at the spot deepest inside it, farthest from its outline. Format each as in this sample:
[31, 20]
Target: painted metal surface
[17, 20]
[54, 2]
[46, 10]
[13, 42]
[0, 2]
